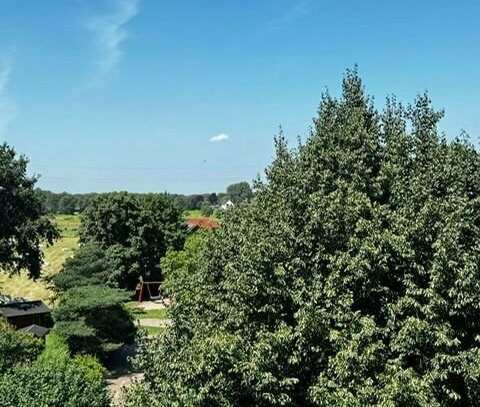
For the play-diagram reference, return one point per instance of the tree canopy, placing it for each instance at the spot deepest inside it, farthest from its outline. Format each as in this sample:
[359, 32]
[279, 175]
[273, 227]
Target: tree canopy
[351, 278]
[23, 226]
[93, 320]
[239, 192]
[134, 230]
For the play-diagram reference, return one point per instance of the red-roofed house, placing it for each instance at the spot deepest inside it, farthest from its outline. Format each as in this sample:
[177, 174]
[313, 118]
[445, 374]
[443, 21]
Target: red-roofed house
[202, 223]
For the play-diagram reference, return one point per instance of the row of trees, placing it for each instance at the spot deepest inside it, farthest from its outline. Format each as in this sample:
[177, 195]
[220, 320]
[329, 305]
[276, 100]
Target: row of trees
[69, 204]
[350, 279]
[64, 203]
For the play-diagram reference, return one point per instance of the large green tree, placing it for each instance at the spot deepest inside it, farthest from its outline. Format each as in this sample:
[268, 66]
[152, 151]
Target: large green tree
[350, 279]
[23, 226]
[134, 230]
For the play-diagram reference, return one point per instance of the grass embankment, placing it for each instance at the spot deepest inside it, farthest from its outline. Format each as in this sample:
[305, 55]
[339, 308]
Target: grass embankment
[21, 286]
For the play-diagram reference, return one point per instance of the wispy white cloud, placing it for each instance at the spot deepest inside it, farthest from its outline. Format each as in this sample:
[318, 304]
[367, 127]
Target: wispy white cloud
[219, 137]
[8, 109]
[298, 10]
[109, 34]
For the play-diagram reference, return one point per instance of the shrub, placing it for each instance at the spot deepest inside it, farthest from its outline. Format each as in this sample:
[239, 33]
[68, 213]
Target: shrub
[16, 347]
[55, 383]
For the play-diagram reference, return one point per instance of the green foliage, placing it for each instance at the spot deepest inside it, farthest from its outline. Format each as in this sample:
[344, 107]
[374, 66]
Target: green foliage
[239, 192]
[134, 230]
[16, 347]
[349, 279]
[58, 382]
[23, 226]
[93, 320]
[56, 348]
[64, 203]
[88, 266]
[142, 313]
[207, 210]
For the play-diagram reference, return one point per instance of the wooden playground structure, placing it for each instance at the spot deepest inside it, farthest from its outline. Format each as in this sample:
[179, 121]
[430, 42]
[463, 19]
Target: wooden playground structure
[148, 286]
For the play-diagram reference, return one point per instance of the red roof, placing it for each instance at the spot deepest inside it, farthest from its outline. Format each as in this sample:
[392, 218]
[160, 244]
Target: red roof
[202, 223]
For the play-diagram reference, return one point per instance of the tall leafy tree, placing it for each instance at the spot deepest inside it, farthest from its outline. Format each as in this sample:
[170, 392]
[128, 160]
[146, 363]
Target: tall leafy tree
[350, 278]
[23, 226]
[135, 231]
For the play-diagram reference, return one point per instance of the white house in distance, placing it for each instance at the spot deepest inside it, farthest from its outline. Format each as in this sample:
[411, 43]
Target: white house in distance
[227, 205]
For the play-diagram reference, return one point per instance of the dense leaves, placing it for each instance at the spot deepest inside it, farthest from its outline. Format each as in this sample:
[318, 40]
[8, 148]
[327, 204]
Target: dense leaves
[239, 192]
[23, 226]
[16, 347]
[94, 320]
[89, 266]
[55, 380]
[135, 231]
[351, 278]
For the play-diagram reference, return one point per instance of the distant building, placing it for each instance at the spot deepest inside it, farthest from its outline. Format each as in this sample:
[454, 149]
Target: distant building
[227, 205]
[30, 316]
[202, 223]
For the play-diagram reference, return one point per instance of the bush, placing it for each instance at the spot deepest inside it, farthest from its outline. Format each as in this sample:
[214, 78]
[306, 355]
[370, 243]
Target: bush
[16, 347]
[55, 383]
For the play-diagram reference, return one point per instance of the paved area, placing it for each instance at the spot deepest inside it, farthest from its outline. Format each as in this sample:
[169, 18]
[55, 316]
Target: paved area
[155, 322]
[117, 384]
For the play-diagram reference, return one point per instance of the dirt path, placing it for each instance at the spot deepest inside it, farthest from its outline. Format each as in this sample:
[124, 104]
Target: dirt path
[117, 384]
[121, 375]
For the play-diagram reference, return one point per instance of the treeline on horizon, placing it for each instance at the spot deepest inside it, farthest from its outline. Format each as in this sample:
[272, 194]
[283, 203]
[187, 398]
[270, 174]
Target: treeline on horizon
[65, 203]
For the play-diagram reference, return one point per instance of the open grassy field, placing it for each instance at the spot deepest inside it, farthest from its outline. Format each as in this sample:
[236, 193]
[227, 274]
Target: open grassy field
[195, 213]
[20, 285]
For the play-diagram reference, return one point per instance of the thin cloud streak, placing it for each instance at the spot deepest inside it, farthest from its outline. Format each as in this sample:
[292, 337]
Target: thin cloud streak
[297, 11]
[8, 109]
[109, 31]
[219, 137]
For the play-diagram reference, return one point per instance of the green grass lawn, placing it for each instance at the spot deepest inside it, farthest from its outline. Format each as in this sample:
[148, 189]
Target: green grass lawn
[22, 286]
[196, 213]
[153, 330]
[140, 313]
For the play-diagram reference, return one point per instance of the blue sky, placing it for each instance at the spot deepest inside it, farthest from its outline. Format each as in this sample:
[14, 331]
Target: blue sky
[127, 94]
